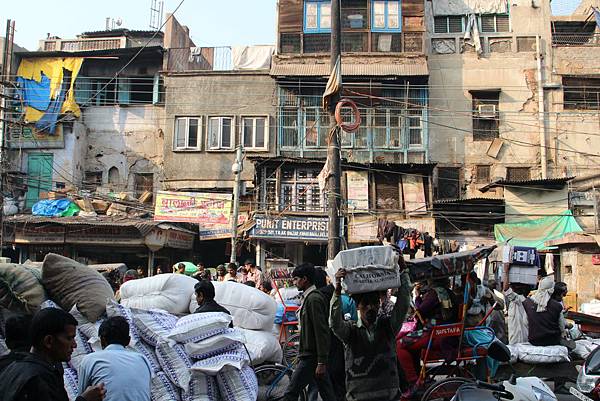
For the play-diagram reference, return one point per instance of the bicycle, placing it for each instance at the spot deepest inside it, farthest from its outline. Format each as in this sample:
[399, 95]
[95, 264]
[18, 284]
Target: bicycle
[273, 380]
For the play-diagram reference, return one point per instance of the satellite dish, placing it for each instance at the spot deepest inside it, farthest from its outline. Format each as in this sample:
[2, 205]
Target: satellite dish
[119, 22]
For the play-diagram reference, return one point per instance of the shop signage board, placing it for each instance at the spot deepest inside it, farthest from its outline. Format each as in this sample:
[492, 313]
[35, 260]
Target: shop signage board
[193, 207]
[291, 227]
[357, 185]
[103, 235]
[414, 194]
[179, 239]
[208, 231]
[45, 234]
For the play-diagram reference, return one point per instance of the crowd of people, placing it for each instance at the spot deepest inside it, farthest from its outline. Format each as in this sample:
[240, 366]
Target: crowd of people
[352, 347]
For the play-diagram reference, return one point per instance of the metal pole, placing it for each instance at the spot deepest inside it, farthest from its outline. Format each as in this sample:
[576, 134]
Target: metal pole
[541, 110]
[333, 148]
[237, 169]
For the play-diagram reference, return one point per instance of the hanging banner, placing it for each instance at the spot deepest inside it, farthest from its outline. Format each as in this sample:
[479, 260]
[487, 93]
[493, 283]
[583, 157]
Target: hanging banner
[414, 194]
[357, 186]
[193, 207]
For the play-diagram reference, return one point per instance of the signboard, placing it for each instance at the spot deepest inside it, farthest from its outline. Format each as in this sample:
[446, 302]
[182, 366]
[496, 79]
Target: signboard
[45, 234]
[30, 138]
[357, 185]
[103, 235]
[291, 227]
[414, 194]
[363, 229]
[179, 239]
[193, 207]
[208, 231]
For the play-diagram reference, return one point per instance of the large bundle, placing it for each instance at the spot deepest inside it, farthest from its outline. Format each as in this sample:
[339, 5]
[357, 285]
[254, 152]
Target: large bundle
[169, 292]
[70, 283]
[251, 308]
[21, 289]
[451, 264]
[369, 268]
[262, 346]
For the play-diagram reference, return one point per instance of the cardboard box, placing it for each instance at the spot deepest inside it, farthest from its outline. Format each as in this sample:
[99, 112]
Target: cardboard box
[521, 274]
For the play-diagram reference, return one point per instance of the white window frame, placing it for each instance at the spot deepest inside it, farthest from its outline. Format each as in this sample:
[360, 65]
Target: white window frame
[266, 133]
[187, 133]
[220, 133]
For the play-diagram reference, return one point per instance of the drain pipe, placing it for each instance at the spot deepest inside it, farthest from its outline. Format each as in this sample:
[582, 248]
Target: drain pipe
[541, 110]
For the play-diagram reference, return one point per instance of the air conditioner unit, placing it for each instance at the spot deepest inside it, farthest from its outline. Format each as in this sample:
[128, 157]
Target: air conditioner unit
[486, 111]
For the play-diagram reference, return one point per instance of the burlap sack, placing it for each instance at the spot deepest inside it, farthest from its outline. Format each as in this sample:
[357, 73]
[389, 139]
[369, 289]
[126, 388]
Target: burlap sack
[70, 283]
[21, 289]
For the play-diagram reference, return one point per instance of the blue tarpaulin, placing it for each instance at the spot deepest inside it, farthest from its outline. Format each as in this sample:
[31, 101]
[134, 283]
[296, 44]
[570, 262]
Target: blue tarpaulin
[50, 208]
[35, 94]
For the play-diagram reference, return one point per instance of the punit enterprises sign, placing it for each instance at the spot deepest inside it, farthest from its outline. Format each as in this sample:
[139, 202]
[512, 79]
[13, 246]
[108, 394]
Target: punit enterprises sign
[291, 227]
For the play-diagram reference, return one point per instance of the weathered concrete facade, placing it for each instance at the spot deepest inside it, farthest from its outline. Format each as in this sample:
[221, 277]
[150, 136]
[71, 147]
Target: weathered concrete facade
[505, 73]
[202, 95]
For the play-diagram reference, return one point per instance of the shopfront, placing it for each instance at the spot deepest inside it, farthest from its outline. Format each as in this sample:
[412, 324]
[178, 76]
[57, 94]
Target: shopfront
[134, 242]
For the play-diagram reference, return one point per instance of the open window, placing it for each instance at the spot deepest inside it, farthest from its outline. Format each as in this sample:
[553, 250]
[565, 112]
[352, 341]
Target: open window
[187, 133]
[220, 133]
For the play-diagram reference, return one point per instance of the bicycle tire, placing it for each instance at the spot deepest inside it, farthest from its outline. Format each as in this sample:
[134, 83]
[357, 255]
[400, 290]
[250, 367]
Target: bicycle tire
[444, 389]
[273, 380]
[290, 349]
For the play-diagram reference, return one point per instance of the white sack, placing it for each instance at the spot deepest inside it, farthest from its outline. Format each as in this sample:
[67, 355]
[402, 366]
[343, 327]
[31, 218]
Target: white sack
[288, 294]
[90, 330]
[238, 384]
[162, 389]
[202, 387]
[237, 358]
[549, 354]
[71, 383]
[591, 308]
[153, 325]
[251, 308]
[175, 363]
[148, 351]
[199, 326]
[262, 346]
[169, 292]
[226, 341]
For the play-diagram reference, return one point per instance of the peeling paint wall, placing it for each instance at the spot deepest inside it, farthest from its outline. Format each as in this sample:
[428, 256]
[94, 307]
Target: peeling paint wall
[129, 139]
[505, 64]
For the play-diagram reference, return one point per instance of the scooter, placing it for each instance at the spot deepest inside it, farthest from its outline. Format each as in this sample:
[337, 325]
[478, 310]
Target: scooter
[515, 388]
[588, 381]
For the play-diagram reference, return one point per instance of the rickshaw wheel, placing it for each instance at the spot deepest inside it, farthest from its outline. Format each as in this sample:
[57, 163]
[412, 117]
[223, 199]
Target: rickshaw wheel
[444, 389]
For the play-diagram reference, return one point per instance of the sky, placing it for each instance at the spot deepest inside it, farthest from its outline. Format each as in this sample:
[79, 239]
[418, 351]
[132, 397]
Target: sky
[564, 7]
[211, 23]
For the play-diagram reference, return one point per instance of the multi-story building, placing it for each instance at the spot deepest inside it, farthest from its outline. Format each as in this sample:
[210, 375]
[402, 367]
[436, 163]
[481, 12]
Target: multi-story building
[386, 161]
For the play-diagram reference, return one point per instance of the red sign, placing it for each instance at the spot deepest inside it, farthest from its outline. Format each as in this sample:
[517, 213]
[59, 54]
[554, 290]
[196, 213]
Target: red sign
[596, 259]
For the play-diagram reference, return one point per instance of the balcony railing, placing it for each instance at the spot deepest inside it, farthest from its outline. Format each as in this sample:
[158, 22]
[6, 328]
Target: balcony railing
[575, 39]
[352, 42]
[76, 45]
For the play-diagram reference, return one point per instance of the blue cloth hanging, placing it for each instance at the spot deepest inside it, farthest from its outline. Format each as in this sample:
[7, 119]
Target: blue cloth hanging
[35, 94]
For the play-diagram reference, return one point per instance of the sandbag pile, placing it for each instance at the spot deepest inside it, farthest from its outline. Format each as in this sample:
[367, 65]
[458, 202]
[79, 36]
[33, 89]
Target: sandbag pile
[21, 288]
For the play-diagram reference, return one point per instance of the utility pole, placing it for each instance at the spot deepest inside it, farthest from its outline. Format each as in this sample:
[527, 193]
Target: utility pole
[236, 169]
[333, 149]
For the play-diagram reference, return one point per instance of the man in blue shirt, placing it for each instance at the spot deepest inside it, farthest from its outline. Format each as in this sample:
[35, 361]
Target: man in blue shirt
[126, 374]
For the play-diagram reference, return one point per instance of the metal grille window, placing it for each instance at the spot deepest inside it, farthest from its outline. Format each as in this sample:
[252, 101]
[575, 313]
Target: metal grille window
[492, 23]
[482, 174]
[255, 132]
[387, 189]
[450, 24]
[415, 128]
[485, 115]
[143, 182]
[220, 133]
[289, 127]
[187, 133]
[316, 124]
[581, 93]
[300, 190]
[518, 173]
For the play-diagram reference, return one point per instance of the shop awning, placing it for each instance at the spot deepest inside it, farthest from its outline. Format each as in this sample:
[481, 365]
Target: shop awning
[534, 233]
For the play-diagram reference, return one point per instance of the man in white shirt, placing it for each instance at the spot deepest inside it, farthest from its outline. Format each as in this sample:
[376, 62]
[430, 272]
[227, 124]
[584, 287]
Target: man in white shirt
[126, 374]
[515, 295]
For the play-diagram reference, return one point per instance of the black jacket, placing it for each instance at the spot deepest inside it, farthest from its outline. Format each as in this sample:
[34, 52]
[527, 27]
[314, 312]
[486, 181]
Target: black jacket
[33, 379]
[6, 360]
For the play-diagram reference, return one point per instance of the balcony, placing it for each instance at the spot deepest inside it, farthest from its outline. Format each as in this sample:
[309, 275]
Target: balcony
[353, 41]
[575, 39]
[77, 45]
[200, 59]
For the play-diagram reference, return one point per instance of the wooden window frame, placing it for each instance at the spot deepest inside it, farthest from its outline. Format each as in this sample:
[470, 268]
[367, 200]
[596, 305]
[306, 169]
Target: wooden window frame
[386, 29]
